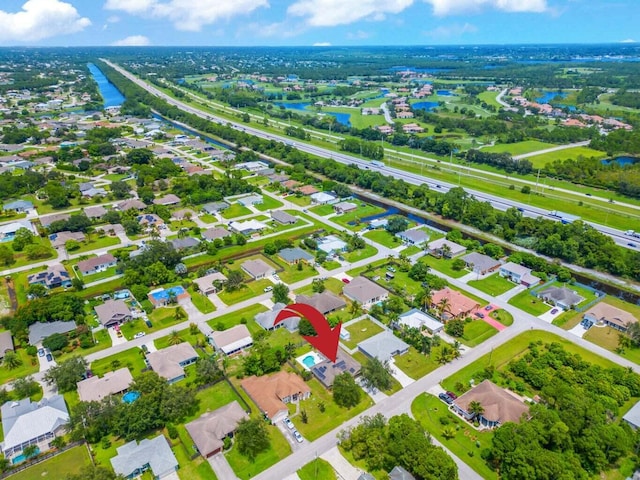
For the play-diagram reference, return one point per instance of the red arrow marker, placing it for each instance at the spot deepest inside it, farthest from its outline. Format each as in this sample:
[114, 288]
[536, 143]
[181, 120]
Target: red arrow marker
[327, 338]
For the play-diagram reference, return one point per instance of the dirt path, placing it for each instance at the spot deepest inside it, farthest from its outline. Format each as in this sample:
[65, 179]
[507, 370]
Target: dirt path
[13, 300]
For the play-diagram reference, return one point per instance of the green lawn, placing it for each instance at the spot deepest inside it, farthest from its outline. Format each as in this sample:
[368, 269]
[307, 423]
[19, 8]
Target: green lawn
[356, 216]
[530, 304]
[519, 148]
[607, 338]
[428, 410]
[331, 265]
[502, 316]
[322, 210]
[319, 422]
[415, 364]
[109, 272]
[332, 284]
[207, 218]
[102, 341]
[160, 318]
[383, 237]
[302, 201]
[201, 302]
[133, 359]
[185, 335]
[234, 318]
[566, 154]
[102, 288]
[245, 292]
[268, 203]
[235, 210]
[318, 469]
[97, 243]
[443, 265]
[476, 332]
[361, 330]
[494, 285]
[361, 254]
[291, 274]
[29, 366]
[245, 469]
[58, 467]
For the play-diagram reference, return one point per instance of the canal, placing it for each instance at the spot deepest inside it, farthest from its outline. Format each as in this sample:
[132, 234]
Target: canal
[110, 94]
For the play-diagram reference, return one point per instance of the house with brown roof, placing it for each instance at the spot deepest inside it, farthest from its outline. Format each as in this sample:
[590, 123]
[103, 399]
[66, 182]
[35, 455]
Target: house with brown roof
[456, 305]
[232, 340]
[344, 207]
[169, 362]
[500, 405]
[210, 429]
[604, 314]
[113, 312]
[272, 393]
[94, 389]
[364, 291]
[131, 204]
[209, 283]
[325, 302]
[96, 264]
[96, 212]
[445, 248]
[307, 190]
[168, 199]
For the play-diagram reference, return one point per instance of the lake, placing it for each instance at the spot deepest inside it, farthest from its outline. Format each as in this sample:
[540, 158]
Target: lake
[110, 94]
[343, 118]
[428, 106]
[445, 93]
[548, 96]
[622, 160]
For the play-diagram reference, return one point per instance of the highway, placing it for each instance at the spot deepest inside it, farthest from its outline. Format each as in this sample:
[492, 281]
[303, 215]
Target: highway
[497, 202]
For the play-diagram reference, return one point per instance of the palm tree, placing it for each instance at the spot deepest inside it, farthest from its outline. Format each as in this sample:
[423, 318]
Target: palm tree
[446, 251]
[355, 308]
[174, 338]
[425, 299]
[449, 432]
[29, 451]
[457, 346]
[443, 306]
[475, 408]
[11, 360]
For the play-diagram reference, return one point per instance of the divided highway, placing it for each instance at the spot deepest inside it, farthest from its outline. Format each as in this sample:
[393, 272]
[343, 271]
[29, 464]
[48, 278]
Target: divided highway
[497, 202]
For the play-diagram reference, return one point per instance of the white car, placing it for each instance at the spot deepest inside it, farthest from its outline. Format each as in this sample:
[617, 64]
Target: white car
[139, 335]
[289, 424]
[299, 438]
[268, 289]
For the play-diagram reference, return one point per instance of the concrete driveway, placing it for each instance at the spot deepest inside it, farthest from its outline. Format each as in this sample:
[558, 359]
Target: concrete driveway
[221, 467]
[288, 434]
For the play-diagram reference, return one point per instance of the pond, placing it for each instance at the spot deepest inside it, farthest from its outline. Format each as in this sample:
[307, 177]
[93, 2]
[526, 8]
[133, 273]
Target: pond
[624, 160]
[110, 94]
[548, 96]
[343, 118]
[428, 106]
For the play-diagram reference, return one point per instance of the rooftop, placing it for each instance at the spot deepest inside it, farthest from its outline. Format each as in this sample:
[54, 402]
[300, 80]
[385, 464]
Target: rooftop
[383, 346]
[166, 362]
[269, 391]
[499, 404]
[232, 339]
[94, 389]
[209, 430]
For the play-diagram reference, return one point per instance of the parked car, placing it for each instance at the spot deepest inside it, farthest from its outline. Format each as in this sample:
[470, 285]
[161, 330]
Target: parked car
[632, 245]
[299, 438]
[479, 314]
[289, 424]
[268, 289]
[49, 357]
[488, 308]
[41, 352]
[276, 276]
[554, 311]
[346, 280]
[445, 398]
[139, 335]
[148, 323]
[144, 349]
[452, 395]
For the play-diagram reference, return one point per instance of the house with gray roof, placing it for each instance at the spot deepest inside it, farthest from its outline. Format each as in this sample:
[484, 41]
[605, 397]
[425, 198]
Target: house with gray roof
[232, 340]
[94, 389]
[208, 284]
[415, 237]
[96, 212]
[295, 255]
[8, 230]
[283, 217]
[53, 277]
[168, 199]
[131, 204]
[27, 423]
[6, 343]
[39, 331]
[18, 206]
[210, 429]
[215, 233]
[249, 200]
[326, 370]
[383, 346]
[344, 207]
[445, 248]
[257, 269]
[325, 302]
[214, 207]
[562, 297]
[415, 318]
[184, 243]
[169, 362]
[332, 244]
[399, 473]
[60, 239]
[49, 219]
[133, 458]
[518, 274]
[632, 417]
[96, 264]
[364, 291]
[480, 263]
[113, 312]
[267, 319]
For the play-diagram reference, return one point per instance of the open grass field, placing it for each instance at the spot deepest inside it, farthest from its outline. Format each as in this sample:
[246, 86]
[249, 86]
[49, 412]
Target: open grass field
[351, 220]
[476, 332]
[502, 316]
[97, 243]
[322, 210]
[607, 337]
[234, 318]
[133, 359]
[318, 469]
[361, 254]
[235, 210]
[489, 98]
[319, 422]
[443, 265]
[58, 467]
[29, 366]
[494, 285]
[245, 469]
[383, 237]
[415, 364]
[361, 330]
[519, 148]
[246, 291]
[268, 203]
[568, 153]
[428, 410]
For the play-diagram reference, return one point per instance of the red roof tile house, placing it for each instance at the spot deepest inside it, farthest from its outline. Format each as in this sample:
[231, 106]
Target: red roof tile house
[272, 393]
[452, 304]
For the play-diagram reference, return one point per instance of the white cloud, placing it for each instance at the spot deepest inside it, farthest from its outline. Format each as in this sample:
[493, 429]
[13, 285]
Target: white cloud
[113, 19]
[628, 40]
[322, 44]
[447, 31]
[40, 19]
[327, 13]
[452, 7]
[187, 14]
[132, 41]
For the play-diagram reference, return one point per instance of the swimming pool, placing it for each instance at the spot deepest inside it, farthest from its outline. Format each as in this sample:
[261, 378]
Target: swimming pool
[21, 458]
[130, 397]
[309, 360]
[163, 295]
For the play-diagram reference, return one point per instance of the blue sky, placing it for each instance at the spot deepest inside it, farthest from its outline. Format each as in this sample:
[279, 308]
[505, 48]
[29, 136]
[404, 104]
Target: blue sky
[316, 22]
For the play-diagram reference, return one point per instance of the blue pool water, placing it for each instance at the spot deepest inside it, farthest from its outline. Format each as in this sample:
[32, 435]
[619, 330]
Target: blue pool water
[110, 94]
[309, 361]
[21, 458]
[428, 106]
[343, 118]
[130, 397]
[164, 294]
